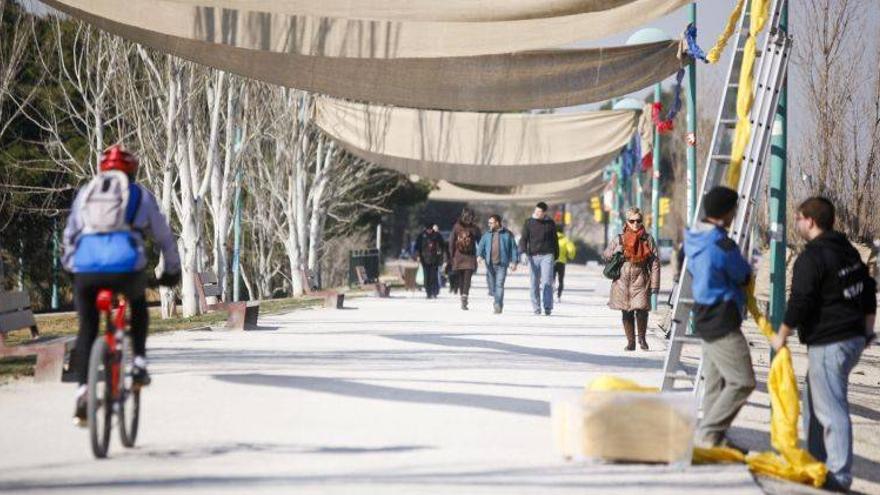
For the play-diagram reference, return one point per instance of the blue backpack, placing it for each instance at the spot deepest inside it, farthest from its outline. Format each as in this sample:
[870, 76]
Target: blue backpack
[107, 210]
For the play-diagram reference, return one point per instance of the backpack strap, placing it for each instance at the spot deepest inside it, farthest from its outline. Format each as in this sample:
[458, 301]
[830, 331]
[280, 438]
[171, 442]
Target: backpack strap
[134, 203]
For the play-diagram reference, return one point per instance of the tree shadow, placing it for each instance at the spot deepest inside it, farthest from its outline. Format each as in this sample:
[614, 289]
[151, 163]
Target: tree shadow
[350, 388]
[557, 354]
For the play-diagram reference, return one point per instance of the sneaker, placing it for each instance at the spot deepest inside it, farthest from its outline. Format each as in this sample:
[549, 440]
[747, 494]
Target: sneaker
[547, 312]
[497, 309]
[538, 312]
[80, 414]
[140, 376]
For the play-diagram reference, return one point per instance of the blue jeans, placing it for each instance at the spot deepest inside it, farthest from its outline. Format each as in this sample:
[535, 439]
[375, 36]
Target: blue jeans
[495, 277]
[541, 279]
[826, 410]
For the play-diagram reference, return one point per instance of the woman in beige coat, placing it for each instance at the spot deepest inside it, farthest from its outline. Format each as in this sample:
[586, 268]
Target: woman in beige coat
[639, 277]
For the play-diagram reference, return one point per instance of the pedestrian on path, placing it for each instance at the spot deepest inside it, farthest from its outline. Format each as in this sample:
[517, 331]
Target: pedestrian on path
[567, 252]
[463, 247]
[832, 305]
[540, 246]
[430, 249]
[720, 274]
[639, 277]
[497, 249]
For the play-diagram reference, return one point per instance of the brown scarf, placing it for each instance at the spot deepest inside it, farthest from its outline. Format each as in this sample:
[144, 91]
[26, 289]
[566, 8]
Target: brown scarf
[636, 247]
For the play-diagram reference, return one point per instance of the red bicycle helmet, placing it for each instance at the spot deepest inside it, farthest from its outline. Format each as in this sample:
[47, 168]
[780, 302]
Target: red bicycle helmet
[115, 158]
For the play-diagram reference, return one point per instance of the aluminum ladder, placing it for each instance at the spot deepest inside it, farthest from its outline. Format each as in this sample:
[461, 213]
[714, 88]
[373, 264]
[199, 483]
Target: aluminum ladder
[769, 76]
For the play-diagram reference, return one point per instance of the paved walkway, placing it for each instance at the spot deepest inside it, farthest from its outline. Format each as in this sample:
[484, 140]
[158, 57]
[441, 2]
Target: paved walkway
[399, 395]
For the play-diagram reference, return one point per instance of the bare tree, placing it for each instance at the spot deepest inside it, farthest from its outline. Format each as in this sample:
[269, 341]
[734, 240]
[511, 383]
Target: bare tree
[837, 58]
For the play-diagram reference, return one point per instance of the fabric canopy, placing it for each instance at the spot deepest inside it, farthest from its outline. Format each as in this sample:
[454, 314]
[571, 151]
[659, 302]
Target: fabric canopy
[478, 148]
[572, 190]
[507, 82]
[420, 10]
[362, 38]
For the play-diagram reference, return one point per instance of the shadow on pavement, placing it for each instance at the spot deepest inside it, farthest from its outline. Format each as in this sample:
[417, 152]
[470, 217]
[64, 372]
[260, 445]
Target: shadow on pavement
[350, 388]
[559, 354]
[608, 479]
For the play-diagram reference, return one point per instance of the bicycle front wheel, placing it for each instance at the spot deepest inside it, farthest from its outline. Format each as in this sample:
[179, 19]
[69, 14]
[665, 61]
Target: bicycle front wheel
[130, 403]
[100, 395]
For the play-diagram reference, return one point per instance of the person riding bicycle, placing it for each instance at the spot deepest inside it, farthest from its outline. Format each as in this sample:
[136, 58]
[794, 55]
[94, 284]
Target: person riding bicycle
[104, 249]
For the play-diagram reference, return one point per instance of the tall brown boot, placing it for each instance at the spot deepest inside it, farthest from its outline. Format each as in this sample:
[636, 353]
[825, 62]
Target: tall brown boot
[642, 321]
[630, 331]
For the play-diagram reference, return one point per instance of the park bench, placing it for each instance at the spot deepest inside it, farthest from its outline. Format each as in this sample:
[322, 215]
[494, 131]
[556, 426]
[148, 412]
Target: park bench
[332, 299]
[241, 315]
[381, 288]
[16, 314]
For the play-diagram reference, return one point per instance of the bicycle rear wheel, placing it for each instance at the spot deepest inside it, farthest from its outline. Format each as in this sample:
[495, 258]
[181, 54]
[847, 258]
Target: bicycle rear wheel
[130, 403]
[100, 394]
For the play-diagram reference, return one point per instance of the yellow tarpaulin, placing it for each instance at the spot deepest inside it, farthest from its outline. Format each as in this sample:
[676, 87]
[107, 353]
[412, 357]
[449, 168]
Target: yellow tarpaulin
[759, 13]
[789, 461]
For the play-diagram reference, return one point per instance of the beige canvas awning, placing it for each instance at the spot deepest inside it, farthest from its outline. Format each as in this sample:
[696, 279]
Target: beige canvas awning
[421, 10]
[572, 190]
[508, 82]
[365, 38]
[477, 148]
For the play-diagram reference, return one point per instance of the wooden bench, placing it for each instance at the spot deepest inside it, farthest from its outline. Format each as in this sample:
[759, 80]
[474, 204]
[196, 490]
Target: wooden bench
[242, 315]
[16, 314]
[381, 288]
[332, 299]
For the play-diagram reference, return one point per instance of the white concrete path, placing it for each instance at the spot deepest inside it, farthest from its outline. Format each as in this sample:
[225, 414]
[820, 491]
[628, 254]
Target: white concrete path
[400, 395]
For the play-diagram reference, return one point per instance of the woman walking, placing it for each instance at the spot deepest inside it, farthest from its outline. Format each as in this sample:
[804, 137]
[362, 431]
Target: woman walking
[639, 277]
[463, 247]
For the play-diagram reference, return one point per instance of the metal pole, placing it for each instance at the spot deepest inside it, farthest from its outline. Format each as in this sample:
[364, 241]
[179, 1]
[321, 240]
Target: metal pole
[655, 186]
[692, 132]
[55, 302]
[639, 192]
[379, 239]
[778, 191]
[236, 227]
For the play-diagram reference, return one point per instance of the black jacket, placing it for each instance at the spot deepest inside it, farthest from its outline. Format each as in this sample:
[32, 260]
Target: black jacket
[539, 237]
[831, 291]
[425, 242]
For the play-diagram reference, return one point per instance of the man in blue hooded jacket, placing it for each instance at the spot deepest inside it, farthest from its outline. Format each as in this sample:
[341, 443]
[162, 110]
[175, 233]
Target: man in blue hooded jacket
[720, 274]
[497, 248]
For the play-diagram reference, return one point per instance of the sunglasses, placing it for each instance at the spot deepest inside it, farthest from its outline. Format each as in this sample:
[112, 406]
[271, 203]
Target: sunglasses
[634, 221]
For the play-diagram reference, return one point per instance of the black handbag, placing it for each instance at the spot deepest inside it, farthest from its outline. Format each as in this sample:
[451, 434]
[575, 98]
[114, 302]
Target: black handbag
[612, 268]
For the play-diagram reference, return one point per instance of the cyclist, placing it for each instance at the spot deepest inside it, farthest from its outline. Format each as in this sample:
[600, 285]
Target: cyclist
[104, 249]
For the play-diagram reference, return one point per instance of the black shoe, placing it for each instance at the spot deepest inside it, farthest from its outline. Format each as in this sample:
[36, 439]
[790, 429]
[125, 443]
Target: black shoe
[80, 415]
[547, 312]
[538, 312]
[139, 376]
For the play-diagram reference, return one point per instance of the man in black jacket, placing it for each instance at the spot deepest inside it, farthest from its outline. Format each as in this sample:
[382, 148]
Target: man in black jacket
[540, 246]
[430, 251]
[832, 305]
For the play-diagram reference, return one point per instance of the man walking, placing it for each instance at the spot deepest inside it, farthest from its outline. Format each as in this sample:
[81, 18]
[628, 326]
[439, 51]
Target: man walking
[540, 247]
[567, 252]
[430, 249]
[832, 305]
[497, 249]
[720, 274]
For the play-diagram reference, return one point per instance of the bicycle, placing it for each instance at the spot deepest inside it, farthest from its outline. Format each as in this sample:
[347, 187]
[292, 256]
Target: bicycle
[110, 386]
